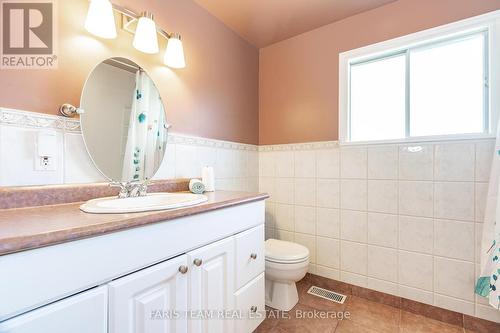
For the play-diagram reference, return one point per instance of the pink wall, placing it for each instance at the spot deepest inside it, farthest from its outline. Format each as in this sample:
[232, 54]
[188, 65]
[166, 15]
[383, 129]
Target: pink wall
[298, 79]
[216, 96]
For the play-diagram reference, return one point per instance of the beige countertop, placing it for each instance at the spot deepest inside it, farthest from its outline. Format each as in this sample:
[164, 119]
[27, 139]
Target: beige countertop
[33, 227]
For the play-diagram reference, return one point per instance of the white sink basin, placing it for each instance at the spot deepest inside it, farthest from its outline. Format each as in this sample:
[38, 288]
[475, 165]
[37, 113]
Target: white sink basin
[153, 201]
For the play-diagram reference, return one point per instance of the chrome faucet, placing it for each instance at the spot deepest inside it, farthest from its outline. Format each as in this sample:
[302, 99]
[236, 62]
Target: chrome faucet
[137, 190]
[130, 190]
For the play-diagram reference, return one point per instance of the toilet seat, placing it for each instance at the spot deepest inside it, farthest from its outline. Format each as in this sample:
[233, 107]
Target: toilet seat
[283, 252]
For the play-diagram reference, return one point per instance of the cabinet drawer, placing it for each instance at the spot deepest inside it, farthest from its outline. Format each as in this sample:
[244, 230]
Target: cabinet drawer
[250, 302]
[249, 255]
[82, 313]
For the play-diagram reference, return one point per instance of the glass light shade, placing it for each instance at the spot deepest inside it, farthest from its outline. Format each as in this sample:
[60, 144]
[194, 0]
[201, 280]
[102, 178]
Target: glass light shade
[100, 19]
[174, 55]
[145, 38]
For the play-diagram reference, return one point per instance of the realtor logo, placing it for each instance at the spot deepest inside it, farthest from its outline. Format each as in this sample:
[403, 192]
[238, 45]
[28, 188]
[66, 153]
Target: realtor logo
[28, 34]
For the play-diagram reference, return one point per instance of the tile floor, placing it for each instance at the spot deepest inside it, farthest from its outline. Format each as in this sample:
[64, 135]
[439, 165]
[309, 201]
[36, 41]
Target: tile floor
[365, 317]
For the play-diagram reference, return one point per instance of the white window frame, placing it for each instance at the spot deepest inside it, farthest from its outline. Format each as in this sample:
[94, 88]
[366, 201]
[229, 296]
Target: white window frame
[487, 23]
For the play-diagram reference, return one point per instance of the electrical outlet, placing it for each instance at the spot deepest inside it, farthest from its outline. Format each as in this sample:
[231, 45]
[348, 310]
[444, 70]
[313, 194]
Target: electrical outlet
[45, 151]
[45, 163]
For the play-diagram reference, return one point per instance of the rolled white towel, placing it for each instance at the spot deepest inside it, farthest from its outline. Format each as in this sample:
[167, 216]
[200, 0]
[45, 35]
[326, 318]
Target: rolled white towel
[196, 186]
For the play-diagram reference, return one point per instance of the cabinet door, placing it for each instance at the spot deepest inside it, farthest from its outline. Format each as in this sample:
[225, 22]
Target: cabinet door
[152, 300]
[211, 287]
[82, 313]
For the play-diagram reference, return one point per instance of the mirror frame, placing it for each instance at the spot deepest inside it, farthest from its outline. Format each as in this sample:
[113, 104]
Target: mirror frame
[125, 186]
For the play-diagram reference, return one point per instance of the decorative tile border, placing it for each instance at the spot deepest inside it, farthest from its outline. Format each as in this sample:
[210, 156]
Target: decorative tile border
[204, 142]
[336, 144]
[29, 119]
[300, 146]
[72, 126]
[451, 317]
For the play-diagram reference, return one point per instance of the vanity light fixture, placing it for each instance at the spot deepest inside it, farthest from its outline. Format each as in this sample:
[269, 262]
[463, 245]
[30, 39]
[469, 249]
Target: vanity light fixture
[100, 19]
[145, 38]
[174, 55]
[101, 23]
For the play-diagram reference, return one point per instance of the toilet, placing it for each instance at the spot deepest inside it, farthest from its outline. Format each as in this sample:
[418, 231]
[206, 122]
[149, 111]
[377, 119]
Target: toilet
[286, 263]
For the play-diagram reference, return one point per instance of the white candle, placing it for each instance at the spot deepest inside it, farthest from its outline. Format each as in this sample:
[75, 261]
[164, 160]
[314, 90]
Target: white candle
[208, 178]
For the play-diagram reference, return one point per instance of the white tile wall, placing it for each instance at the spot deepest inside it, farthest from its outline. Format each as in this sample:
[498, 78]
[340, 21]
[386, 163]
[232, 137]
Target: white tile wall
[383, 229]
[383, 196]
[17, 146]
[328, 222]
[353, 257]
[354, 163]
[305, 220]
[328, 251]
[354, 194]
[416, 162]
[305, 164]
[383, 162]
[454, 162]
[353, 225]
[284, 190]
[416, 198]
[454, 278]
[236, 165]
[305, 191]
[327, 163]
[328, 193]
[285, 164]
[383, 263]
[401, 218]
[78, 167]
[454, 239]
[416, 234]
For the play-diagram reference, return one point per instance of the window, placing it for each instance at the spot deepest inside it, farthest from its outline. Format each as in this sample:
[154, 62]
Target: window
[447, 88]
[424, 85]
[378, 99]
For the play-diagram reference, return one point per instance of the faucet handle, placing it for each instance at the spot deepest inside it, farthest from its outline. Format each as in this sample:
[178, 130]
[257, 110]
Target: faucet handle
[143, 189]
[123, 189]
[136, 189]
[130, 189]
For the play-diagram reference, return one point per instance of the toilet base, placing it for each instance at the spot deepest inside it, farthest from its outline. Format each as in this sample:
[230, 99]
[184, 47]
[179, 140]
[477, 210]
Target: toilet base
[281, 295]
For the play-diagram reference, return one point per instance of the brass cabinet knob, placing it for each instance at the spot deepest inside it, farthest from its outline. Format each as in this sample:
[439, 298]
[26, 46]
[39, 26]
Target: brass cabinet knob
[253, 309]
[253, 256]
[183, 269]
[197, 262]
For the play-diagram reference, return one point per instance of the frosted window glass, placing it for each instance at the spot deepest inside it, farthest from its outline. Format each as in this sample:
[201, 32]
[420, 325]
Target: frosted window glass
[446, 88]
[378, 99]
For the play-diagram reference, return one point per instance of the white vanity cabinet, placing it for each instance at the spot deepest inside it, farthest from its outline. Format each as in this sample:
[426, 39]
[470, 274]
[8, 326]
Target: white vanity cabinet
[157, 299]
[82, 313]
[153, 279]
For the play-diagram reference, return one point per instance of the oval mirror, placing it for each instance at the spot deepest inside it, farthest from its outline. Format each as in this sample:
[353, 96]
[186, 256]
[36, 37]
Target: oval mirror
[123, 122]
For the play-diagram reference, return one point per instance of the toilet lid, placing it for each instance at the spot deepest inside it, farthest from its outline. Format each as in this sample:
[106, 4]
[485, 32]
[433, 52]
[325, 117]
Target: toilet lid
[282, 251]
